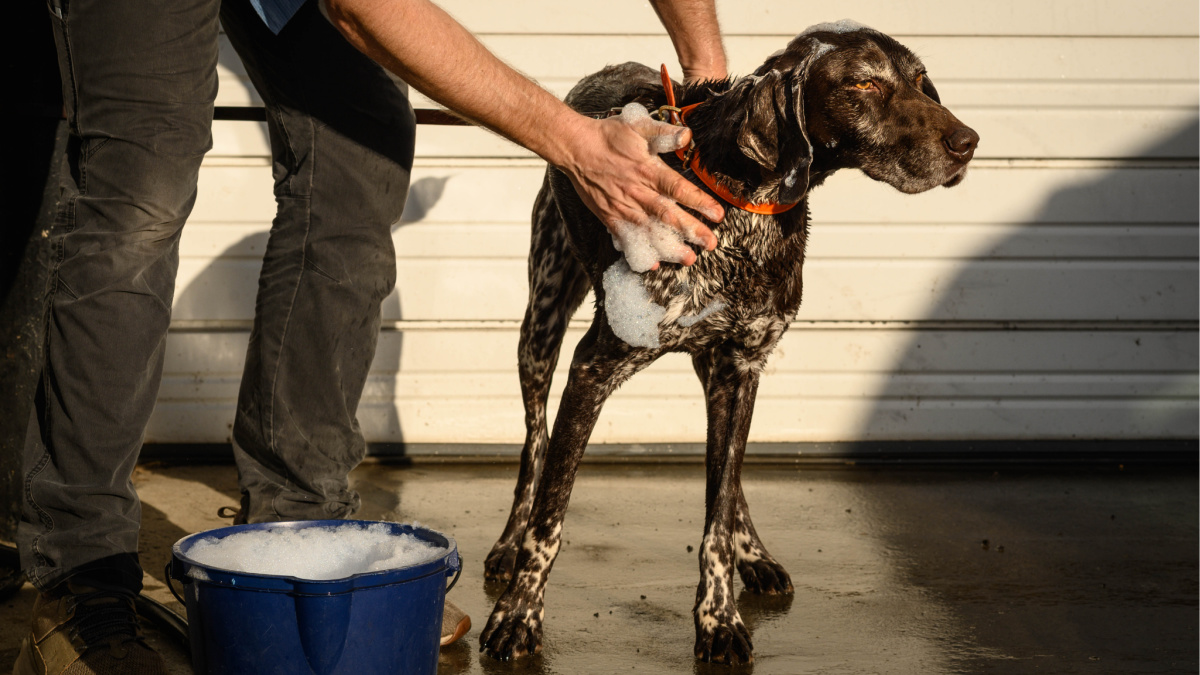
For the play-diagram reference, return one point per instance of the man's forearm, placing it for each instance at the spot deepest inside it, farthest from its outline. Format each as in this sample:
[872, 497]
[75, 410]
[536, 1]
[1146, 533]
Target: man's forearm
[448, 64]
[609, 161]
[693, 27]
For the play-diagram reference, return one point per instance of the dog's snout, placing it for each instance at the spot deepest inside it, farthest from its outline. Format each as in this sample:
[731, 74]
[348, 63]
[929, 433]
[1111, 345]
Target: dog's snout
[961, 143]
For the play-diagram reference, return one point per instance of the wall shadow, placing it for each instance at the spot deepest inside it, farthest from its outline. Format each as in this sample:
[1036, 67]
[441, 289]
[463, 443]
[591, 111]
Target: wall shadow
[1159, 307]
[1078, 568]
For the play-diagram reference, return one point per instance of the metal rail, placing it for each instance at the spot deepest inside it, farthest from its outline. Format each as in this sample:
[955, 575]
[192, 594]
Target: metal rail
[253, 114]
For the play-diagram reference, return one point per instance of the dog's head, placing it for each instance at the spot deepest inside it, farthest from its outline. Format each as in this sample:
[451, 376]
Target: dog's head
[844, 96]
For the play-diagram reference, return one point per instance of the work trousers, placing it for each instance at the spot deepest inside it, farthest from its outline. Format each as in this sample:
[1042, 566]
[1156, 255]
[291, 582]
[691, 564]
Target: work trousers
[139, 83]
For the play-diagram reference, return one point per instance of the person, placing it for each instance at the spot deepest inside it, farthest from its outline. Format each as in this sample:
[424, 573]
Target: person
[139, 84]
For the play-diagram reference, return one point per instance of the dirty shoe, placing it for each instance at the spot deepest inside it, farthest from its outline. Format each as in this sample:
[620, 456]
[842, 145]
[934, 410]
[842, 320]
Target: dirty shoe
[85, 630]
[455, 623]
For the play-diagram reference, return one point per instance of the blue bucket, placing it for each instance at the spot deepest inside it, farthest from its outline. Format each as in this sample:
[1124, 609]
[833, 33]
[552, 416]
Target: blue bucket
[376, 622]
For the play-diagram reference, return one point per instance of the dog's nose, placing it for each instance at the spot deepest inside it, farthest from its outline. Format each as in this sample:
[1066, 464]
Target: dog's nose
[961, 143]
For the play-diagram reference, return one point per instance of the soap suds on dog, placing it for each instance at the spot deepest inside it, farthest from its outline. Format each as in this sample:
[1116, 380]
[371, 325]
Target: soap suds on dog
[632, 313]
[712, 308]
[843, 26]
[314, 553]
[645, 245]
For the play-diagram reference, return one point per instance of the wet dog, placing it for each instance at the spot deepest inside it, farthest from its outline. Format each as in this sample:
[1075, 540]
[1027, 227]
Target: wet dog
[840, 96]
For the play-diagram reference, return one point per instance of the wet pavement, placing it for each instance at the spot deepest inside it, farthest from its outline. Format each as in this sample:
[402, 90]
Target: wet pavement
[895, 570]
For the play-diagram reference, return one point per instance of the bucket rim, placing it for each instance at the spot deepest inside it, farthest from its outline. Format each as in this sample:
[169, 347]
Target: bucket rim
[182, 564]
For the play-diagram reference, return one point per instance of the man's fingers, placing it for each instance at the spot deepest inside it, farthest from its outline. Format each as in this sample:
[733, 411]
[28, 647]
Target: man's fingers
[687, 194]
[686, 225]
[660, 137]
[664, 138]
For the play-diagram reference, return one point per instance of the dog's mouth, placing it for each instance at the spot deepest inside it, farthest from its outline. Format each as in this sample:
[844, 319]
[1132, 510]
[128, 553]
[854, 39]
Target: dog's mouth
[957, 178]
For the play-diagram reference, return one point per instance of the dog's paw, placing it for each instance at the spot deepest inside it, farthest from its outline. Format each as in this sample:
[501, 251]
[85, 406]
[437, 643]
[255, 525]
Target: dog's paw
[765, 576]
[512, 635]
[500, 563]
[729, 644]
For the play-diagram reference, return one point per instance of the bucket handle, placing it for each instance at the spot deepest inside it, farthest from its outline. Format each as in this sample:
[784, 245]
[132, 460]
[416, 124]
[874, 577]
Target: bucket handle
[457, 570]
[168, 574]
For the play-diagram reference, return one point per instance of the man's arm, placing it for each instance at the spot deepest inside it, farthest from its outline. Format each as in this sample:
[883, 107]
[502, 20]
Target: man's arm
[608, 161]
[693, 27]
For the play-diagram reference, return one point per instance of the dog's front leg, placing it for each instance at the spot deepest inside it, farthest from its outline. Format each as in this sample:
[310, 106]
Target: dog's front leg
[759, 570]
[730, 388]
[515, 626]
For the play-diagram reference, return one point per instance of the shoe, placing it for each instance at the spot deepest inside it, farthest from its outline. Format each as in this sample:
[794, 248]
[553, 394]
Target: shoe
[85, 630]
[455, 623]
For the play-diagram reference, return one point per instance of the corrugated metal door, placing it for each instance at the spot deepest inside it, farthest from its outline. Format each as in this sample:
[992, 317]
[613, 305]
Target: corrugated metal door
[1053, 295]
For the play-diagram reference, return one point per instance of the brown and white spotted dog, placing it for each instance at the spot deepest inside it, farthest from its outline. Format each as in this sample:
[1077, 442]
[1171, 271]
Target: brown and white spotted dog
[839, 96]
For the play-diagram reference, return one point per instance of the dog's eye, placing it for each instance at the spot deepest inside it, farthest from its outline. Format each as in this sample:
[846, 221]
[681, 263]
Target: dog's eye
[920, 78]
[864, 85]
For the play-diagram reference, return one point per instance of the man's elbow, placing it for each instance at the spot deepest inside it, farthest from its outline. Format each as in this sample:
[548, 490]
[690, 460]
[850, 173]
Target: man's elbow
[343, 15]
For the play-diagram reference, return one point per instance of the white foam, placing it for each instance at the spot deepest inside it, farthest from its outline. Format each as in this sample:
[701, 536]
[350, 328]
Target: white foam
[661, 137]
[632, 314]
[689, 321]
[315, 553]
[843, 26]
[646, 244]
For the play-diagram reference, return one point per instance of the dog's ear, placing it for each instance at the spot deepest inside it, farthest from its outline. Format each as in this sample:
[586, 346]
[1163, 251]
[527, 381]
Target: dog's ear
[799, 151]
[765, 104]
[928, 89]
[774, 133]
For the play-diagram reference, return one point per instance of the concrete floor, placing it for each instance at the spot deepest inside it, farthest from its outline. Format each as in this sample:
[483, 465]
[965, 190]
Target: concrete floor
[895, 570]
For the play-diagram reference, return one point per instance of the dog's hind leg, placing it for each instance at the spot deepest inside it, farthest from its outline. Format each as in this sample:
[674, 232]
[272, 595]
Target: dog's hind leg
[759, 570]
[601, 364]
[557, 285]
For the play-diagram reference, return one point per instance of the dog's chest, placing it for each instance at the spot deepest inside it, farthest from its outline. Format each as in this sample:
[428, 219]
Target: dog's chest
[746, 291]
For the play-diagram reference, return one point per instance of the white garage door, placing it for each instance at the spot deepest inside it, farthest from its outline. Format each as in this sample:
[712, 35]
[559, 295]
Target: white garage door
[1053, 295]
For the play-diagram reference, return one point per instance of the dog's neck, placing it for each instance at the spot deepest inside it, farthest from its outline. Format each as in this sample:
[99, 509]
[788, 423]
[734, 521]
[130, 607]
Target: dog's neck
[715, 125]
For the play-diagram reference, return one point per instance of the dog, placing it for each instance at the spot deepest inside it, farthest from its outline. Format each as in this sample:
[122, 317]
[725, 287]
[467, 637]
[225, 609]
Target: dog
[840, 96]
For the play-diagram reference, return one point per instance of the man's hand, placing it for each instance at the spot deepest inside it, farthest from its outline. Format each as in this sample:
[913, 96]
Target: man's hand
[615, 168]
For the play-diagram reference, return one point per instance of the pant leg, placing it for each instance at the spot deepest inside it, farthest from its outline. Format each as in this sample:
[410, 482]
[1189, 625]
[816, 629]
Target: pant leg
[139, 81]
[342, 139]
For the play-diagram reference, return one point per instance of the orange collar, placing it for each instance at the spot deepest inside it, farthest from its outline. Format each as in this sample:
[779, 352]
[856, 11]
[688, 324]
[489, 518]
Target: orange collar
[691, 159]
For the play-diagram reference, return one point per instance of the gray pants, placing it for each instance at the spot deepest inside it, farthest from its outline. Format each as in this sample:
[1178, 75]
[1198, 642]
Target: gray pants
[139, 80]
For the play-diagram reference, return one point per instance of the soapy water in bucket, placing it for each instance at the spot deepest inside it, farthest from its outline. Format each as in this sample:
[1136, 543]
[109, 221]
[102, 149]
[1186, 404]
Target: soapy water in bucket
[314, 553]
